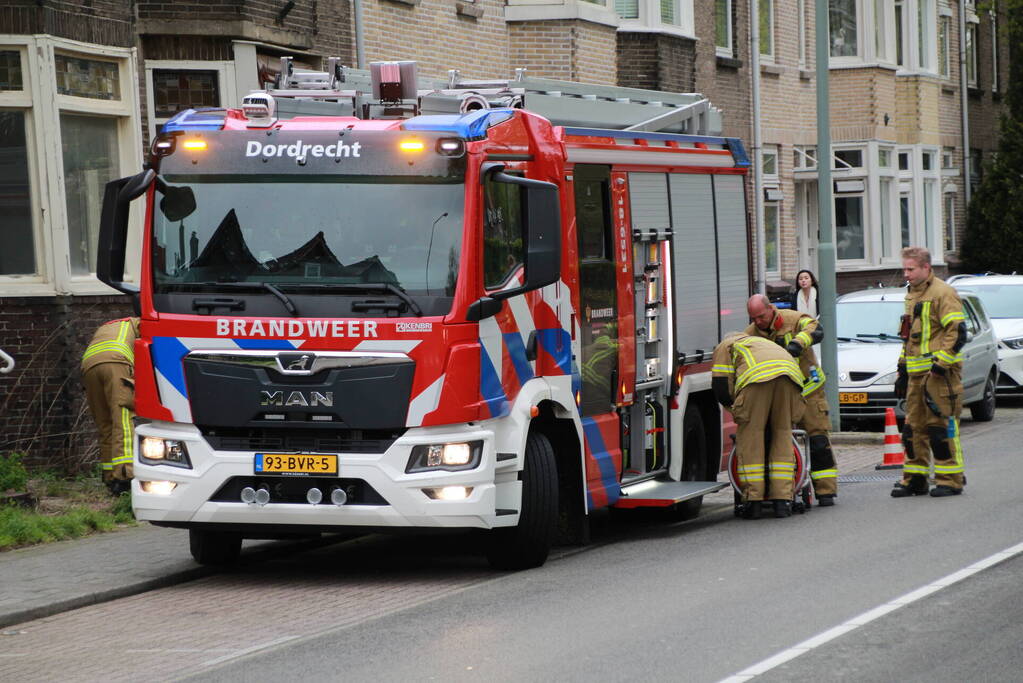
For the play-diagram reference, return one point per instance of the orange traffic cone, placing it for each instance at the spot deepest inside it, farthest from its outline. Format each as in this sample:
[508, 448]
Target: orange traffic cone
[894, 453]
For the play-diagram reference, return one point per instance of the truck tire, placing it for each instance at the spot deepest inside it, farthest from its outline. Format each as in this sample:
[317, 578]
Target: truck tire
[214, 547]
[694, 446]
[984, 409]
[527, 544]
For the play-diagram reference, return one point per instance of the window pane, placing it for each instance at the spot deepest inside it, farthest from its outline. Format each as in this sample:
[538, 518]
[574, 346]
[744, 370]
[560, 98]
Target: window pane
[175, 91]
[842, 18]
[904, 220]
[849, 227]
[880, 23]
[849, 158]
[89, 148]
[943, 29]
[766, 24]
[668, 13]
[503, 243]
[627, 9]
[950, 222]
[88, 78]
[884, 158]
[971, 55]
[10, 70]
[18, 254]
[770, 162]
[722, 24]
[886, 208]
[903, 161]
[899, 57]
[771, 235]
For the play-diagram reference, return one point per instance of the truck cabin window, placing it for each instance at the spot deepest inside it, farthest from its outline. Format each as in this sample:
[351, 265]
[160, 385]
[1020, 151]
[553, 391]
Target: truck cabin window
[298, 233]
[503, 237]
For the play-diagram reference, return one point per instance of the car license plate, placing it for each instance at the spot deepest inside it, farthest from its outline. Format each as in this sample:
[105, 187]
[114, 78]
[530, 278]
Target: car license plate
[295, 464]
[852, 397]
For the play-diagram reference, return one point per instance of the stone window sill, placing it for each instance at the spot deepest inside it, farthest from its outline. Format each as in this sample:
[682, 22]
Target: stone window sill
[468, 9]
[729, 62]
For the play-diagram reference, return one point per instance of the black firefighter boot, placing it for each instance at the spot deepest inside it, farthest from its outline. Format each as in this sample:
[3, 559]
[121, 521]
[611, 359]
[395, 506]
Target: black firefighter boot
[917, 487]
[782, 508]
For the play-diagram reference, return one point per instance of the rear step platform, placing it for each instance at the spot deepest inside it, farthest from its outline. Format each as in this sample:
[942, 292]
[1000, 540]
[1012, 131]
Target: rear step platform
[653, 493]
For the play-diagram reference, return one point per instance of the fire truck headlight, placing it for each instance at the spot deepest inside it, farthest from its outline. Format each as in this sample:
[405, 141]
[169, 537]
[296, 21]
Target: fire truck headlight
[161, 488]
[452, 457]
[157, 451]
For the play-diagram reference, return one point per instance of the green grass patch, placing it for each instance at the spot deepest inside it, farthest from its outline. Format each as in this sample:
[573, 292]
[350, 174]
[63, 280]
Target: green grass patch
[13, 474]
[19, 527]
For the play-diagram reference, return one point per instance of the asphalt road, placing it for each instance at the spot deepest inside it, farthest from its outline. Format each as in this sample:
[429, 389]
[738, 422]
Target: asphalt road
[696, 601]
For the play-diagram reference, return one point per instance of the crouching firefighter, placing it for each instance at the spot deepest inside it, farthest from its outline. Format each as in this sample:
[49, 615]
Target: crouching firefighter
[108, 375]
[760, 383]
[933, 330]
[797, 333]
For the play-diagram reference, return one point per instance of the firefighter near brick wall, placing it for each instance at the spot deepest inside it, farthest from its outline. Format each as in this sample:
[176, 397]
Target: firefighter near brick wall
[109, 379]
[797, 333]
[933, 330]
[760, 383]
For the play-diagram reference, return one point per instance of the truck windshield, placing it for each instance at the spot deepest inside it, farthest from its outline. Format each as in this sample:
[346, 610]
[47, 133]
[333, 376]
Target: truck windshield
[297, 234]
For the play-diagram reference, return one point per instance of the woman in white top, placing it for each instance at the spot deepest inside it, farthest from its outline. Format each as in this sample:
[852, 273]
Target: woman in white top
[805, 300]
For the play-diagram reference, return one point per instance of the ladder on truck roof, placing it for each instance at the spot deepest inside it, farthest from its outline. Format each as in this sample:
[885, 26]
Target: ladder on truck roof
[394, 89]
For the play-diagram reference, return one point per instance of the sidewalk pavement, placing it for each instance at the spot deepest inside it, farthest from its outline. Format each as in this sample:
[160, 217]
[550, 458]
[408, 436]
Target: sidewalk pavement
[43, 580]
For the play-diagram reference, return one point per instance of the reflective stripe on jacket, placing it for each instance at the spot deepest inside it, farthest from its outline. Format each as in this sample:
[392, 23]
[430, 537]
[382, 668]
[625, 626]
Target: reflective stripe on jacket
[744, 360]
[936, 312]
[790, 325]
[113, 342]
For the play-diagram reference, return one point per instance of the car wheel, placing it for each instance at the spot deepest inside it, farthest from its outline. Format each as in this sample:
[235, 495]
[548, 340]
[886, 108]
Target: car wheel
[984, 409]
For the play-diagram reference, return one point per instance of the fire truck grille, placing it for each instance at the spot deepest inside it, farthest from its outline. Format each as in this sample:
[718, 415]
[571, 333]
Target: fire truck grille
[303, 441]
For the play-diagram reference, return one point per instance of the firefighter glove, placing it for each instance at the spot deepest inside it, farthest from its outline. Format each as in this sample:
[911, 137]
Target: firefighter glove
[794, 348]
[901, 382]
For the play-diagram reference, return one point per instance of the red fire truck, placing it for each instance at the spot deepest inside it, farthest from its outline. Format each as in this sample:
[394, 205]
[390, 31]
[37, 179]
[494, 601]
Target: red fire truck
[371, 306]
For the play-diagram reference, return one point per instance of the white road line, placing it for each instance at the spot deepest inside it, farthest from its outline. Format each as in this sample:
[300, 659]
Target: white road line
[870, 615]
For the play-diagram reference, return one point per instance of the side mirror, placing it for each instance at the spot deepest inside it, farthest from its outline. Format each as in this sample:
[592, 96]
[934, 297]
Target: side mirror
[113, 228]
[543, 234]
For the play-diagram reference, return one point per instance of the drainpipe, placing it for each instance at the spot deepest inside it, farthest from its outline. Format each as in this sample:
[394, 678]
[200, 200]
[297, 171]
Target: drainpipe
[758, 164]
[963, 100]
[360, 55]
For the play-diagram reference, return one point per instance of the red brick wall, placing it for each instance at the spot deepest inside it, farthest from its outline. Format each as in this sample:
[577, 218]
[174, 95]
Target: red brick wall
[43, 414]
[108, 22]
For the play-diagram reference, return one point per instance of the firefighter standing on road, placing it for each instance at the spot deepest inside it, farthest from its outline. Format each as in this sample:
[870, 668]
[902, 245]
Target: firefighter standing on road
[930, 379]
[108, 375]
[760, 383]
[797, 333]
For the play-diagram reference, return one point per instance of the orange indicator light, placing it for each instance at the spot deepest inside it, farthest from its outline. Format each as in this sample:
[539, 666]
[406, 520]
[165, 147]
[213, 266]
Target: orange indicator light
[195, 145]
[411, 146]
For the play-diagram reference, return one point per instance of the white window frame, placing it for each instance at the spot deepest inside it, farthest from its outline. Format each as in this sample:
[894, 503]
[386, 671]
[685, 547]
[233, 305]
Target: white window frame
[225, 85]
[773, 151]
[722, 50]
[768, 57]
[950, 242]
[801, 25]
[858, 57]
[43, 107]
[38, 283]
[649, 20]
[601, 12]
[777, 206]
[971, 54]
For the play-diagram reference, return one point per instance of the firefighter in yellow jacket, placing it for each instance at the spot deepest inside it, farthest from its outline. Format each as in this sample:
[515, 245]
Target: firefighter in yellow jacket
[109, 378]
[930, 378]
[760, 383]
[797, 333]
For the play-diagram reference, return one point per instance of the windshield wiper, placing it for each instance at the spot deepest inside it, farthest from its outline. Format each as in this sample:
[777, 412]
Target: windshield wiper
[390, 288]
[284, 299]
[881, 336]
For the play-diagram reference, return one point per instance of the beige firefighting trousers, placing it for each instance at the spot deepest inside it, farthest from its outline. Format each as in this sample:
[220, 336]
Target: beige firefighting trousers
[774, 404]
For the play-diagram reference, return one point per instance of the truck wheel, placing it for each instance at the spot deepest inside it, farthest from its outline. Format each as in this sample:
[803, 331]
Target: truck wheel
[214, 547]
[694, 446]
[526, 545]
[984, 409]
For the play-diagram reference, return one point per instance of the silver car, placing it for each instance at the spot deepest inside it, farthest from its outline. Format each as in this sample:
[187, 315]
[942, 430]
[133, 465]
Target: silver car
[868, 355]
[1003, 297]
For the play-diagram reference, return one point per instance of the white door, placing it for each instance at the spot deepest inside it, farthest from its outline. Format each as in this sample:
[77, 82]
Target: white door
[806, 221]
